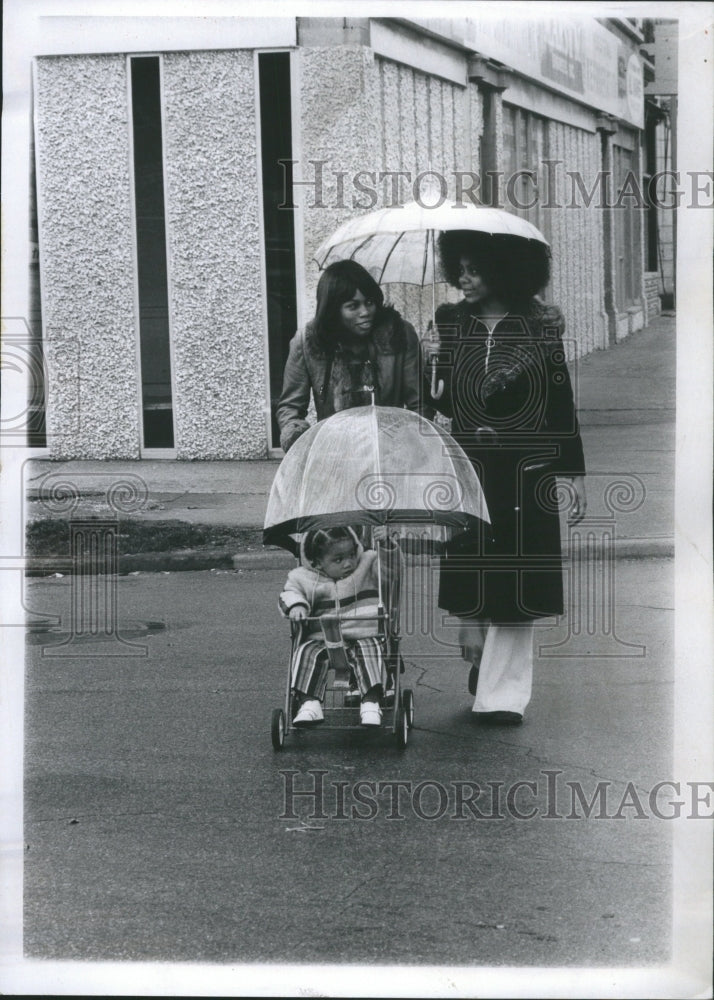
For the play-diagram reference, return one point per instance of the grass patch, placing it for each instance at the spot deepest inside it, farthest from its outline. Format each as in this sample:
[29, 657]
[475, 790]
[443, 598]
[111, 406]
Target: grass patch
[51, 537]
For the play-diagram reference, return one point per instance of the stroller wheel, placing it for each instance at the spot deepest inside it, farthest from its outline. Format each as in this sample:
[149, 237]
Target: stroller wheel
[408, 706]
[401, 726]
[277, 729]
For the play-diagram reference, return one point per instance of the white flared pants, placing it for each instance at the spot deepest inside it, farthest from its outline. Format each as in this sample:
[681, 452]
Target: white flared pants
[504, 655]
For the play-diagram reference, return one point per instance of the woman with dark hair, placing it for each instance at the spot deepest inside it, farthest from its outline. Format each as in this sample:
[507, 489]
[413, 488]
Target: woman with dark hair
[507, 390]
[514, 269]
[353, 342]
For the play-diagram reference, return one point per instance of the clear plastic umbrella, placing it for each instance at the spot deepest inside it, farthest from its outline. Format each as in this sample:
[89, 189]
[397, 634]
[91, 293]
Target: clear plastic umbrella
[374, 465]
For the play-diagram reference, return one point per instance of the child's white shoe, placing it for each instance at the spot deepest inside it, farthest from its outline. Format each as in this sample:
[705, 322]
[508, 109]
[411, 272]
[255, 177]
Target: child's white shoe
[310, 713]
[370, 714]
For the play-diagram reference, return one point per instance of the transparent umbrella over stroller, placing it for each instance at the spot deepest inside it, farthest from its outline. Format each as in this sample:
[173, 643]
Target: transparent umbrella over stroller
[372, 466]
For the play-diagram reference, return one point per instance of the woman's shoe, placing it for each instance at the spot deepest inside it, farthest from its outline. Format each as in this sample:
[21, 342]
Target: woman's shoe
[370, 714]
[310, 713]
[473, 679]
[499, 718]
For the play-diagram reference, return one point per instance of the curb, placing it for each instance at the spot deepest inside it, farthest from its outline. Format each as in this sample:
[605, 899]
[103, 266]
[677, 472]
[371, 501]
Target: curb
[625, 417]
[629, 548]
[170, 562]
[267, 559]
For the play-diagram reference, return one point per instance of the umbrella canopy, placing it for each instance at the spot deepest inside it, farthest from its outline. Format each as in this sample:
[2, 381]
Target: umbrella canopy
[373, 465]
[397, 244]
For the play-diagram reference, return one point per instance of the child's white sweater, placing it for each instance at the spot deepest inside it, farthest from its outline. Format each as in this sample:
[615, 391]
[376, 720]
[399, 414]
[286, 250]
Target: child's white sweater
[355, 595]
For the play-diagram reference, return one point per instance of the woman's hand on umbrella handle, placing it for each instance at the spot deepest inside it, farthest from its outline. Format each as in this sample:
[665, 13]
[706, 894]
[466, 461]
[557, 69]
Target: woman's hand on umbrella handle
[382, 536]
[579, 502]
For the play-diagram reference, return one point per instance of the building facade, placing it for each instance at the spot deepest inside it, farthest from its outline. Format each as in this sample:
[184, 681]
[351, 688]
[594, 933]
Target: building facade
[185, 180]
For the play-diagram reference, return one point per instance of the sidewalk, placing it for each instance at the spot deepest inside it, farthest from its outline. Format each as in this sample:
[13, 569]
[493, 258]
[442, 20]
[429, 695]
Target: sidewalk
[202, 515]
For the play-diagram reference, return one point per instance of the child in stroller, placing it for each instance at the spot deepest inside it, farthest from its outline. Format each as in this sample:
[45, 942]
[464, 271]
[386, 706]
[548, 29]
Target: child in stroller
[337, 584]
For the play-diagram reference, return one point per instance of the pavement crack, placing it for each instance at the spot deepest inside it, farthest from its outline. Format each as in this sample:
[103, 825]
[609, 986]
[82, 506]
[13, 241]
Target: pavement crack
[648, 683]
[360, 885]
[434, 732]
[577, 859]
[77, 818]
[646, 607]
[458, 737]
[420, 679]
[589, 771]
[168, 497]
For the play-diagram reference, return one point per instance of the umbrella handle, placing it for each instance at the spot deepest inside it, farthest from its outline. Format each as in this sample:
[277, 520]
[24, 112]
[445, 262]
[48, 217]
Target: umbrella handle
[436, 389]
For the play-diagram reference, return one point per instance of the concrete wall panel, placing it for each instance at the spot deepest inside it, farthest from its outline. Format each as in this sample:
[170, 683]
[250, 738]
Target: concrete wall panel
[87, 259]
[359, 113]
[213, 223]
[340, 113]
[423, 127]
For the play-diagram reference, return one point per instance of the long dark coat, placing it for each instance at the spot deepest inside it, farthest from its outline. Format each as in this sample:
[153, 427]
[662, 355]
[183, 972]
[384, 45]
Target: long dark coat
[511, 403]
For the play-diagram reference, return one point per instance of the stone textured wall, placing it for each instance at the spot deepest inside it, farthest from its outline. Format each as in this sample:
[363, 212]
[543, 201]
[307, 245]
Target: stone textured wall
[365, 113]
[87, 262]
[424, 125]
[213, 229]
[213, 246]
[361, 113]
[340, 125]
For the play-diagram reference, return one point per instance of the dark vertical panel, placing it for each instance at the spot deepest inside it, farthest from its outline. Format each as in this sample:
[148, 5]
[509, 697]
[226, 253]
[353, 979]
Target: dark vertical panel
[151, 253]
[650, 169]
[36, 431]
[487, 152]
[278, 222]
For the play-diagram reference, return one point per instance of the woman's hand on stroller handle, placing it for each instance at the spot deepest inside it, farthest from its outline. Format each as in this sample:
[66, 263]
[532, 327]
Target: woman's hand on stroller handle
[382, 535]
[578, 500]
[298, 613]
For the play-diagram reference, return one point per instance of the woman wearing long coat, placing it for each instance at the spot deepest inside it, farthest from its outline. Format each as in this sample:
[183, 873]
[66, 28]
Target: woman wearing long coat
[508, 392]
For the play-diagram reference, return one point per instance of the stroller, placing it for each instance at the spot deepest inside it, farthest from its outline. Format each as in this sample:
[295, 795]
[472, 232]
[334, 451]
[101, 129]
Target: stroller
[365, 467]
[342, 698]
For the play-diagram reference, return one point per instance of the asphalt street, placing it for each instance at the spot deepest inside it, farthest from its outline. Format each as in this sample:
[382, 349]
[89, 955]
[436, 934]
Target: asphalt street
[159, 821]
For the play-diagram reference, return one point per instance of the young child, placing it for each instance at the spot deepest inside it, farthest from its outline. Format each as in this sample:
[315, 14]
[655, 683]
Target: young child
[338, 578]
